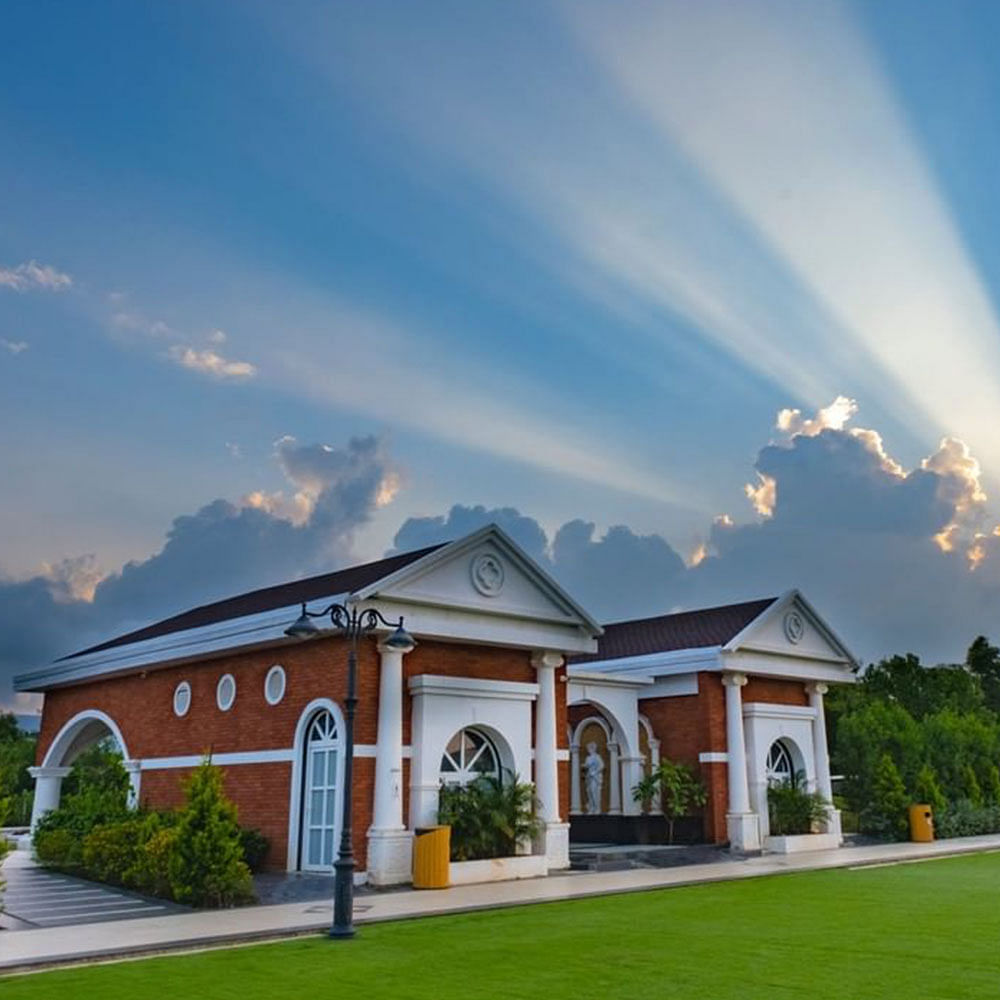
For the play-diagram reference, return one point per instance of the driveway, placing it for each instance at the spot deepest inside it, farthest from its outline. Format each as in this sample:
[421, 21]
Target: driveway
[35, 897]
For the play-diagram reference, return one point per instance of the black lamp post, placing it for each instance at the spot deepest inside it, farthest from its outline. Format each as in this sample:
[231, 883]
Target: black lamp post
[352, 623]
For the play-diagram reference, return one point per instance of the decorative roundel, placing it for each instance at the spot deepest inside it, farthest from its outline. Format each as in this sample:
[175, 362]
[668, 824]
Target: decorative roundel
[225, 692]
[182, 699]
[795, 627]
[487, 574]
[274, 684]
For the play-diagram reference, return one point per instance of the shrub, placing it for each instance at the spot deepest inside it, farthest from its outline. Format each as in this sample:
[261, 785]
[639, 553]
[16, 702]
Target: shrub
[255, 848]
[110, 851]
[489, 818]
[679, 789]
[206, 864]
[885, 815]
[970, 785]
[793, 810]
[151, 871]
[991, 790]
[57, 847]
[927, 790]
[965, 819]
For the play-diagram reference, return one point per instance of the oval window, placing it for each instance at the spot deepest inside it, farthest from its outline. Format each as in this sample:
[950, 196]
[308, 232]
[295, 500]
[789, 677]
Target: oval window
[274, 684]
[225, 693]
[182, 699]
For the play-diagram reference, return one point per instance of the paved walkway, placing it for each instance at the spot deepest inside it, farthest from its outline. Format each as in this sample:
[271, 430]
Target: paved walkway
[48, 946]
[38, 898]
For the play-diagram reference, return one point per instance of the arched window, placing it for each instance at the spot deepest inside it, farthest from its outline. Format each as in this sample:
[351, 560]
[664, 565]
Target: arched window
[780, 769]
[319, 807]
[469, 755]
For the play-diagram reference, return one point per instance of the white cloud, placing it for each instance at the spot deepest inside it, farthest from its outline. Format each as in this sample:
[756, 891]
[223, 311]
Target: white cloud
[14, 347]
[217, 337]
[32, 276]
[208, 362]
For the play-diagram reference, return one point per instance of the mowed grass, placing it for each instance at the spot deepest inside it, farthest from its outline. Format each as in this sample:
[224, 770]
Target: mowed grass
[908, 931]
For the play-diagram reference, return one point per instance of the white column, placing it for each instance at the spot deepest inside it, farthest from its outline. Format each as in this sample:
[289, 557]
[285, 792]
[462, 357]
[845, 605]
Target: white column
[631, 776]
[741, 822]
[656, 805]
[48, 786]
[821, 755]
[614, 780]
[556, 834]
[574, 780]
[134, 769]
[390, 844]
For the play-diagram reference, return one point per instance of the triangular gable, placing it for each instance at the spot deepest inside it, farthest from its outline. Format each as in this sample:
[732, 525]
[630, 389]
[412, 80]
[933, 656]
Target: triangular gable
[484, 572]
[791, 626]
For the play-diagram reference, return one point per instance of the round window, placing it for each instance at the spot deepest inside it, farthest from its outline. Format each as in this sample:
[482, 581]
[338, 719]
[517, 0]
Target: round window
[225, 692]
[274, 684]
[182, 699]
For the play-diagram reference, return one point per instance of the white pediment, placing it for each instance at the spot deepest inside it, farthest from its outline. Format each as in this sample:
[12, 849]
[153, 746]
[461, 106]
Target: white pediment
[792, 627]
[486, 573]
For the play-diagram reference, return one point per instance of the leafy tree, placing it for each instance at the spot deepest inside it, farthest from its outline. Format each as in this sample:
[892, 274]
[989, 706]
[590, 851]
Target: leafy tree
[922, 690]
[885, 813]
[952, 740]
[983, 660]
[206, 865]
[679, 788]
[991, 790]
[17, 754]
[927, 790]
[865, 735]
[970, 785]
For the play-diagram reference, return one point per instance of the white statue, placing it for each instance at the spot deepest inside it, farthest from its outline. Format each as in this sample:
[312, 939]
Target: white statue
[593, 777]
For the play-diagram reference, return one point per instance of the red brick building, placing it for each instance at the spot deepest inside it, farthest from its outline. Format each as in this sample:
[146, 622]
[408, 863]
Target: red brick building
[508, 676]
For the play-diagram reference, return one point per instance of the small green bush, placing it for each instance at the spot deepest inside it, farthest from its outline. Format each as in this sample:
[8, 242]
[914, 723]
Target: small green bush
[488, 817]
[150, 873]
[678, 789]
[255, 848]
[110, 851]
[57, 847]
[886, 814]
[966, 819]
[927, 790]
[793, 810]
[206, 865]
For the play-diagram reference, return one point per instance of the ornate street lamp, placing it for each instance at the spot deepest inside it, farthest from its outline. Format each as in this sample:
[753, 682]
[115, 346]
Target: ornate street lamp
[352, 623]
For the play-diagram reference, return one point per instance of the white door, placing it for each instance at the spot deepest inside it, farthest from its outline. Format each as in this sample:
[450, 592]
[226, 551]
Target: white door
[319, 811]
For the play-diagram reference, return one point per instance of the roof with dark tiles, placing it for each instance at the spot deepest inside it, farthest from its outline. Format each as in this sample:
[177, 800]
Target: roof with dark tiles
[344, 581]
[684, 630]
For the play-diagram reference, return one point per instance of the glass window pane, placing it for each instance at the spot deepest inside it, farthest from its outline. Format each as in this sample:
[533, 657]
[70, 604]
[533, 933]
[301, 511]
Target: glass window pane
[331, 800]
[327, 847]
[316, 807]
[315, 845]
[331, 768]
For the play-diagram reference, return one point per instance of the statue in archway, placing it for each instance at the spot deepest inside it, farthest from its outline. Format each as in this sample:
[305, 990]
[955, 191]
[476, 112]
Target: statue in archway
[593, 778]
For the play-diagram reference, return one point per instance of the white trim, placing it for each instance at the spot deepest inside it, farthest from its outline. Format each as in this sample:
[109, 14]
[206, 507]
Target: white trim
[276, 671]
[660, 664]
[371, 750]
[221, 759]
[596, 719]
[218, 692]
[599, 678]
[677, 686]
[766, 710]
[561, 754]
[185, 687]
[464, 687]
[713, 757]
[64, 738]
[295, 789]
[494, 533]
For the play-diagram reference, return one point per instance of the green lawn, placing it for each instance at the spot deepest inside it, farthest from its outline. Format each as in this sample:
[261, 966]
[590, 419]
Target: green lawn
[908, 931]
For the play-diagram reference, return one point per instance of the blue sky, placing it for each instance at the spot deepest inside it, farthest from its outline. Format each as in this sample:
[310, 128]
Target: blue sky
[571, 259]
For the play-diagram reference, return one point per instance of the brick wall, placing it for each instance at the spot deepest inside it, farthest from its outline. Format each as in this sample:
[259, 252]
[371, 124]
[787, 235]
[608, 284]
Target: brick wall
[775, 691]
[142, 706]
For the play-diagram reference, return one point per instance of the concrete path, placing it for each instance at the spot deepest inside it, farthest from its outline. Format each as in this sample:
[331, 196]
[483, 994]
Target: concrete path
[35, 897]
[48, 946]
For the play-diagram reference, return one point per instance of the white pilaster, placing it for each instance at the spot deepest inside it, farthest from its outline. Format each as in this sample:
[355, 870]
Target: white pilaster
[48, 787]
[656, 804]
[556, 833]
[390, 844]
[134, 770]
[821, 755]
[631, 768]
[574, 780]
[614, 780]
[741, 821]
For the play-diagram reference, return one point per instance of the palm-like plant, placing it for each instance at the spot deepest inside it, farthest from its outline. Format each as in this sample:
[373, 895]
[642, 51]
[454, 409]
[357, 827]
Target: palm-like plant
[489, 817]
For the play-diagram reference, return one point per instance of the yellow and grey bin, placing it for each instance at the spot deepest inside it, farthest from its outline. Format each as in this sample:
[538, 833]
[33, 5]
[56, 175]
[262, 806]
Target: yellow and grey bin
[431, 853]
[921, 824]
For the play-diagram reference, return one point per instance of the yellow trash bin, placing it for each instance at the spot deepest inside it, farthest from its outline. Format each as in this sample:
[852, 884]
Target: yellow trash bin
[921, 824]
[431, 854]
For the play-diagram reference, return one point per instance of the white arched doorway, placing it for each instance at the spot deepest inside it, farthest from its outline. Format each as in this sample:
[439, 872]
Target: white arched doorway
[316, 801]
[80, 733]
